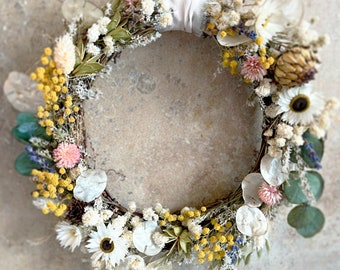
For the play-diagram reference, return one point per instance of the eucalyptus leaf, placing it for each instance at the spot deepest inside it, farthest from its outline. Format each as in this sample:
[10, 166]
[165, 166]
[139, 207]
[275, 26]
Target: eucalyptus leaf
[306, 219]
[27, 130]
[25, 117]
[318, 146]
[294, 191]
[24, 165]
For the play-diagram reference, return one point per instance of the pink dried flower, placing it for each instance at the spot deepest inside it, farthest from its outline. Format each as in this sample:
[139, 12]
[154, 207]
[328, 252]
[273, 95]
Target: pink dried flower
[252, 69]
[269, 194]
[66, 155]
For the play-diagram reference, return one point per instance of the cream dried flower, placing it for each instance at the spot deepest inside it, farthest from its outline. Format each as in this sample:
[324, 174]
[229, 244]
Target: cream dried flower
[68, 235]
[213, 8]
[148, 7]
[91, 217]
[284, 131]
[149, 214]
[92, 49]
[165, 20]
[93, 33]
[65, 54]
[102, 25]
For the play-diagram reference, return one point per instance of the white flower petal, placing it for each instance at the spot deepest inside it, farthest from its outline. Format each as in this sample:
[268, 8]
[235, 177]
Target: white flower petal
[299, 117]
[229, 41]
[271, 170]
[95, 245]
[250, 186]
[68, 235]
[132, 262]
[251, 221]
[90, 185]
[142, 238]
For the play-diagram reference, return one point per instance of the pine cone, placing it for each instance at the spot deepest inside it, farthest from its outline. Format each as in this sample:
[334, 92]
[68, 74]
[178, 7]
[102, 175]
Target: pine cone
[75, 212]
[295, 67]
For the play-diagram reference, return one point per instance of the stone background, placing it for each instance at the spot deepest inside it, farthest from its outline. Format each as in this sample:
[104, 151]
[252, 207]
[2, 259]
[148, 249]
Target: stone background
[27, 238]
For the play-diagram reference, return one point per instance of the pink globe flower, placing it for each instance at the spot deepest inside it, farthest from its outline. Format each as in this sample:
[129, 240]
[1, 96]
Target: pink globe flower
[269, 194]
[252, 69]
[66, 155]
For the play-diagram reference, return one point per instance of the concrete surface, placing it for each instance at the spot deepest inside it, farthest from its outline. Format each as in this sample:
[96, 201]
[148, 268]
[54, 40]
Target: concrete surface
[169, 125]
[27, 237]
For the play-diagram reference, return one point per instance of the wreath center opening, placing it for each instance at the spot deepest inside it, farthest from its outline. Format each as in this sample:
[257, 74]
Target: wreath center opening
[169, 127]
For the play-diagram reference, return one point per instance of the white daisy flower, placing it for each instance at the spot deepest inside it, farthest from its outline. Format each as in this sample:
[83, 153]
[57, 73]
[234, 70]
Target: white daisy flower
[275, 16]
[107, 245]
[299, 105]
[68, 235]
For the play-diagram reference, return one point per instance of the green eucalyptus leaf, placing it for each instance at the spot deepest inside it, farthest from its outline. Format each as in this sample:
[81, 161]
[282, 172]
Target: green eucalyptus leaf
[114, 22]
[27, 130]
[120, 34]
[293, 189]
[24, 165]
[25, 117]
[318, 146]
[306, 219]
[87, 68]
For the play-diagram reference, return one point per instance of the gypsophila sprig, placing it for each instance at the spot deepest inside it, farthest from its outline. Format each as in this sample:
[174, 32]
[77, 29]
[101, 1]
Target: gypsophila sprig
[268, 47]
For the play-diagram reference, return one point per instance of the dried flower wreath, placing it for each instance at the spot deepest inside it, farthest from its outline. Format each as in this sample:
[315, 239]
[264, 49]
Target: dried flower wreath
[266, 44]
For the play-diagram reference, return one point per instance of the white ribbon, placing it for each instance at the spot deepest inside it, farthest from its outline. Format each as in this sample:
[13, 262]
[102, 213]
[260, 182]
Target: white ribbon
[187, 16]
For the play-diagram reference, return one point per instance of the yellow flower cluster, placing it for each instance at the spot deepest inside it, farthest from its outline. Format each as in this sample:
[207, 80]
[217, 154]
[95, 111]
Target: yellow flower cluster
[50, 185]
[59, 106]
[229, 60]
[229, 57]
[266, 61]
[213, 242]
[185, 215]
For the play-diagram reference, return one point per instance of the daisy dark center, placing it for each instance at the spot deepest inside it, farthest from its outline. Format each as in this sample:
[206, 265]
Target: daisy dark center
[300, 103]
[107, 245]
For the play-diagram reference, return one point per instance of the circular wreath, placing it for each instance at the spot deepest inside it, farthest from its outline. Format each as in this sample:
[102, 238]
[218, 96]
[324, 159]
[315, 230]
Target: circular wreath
[267, 45]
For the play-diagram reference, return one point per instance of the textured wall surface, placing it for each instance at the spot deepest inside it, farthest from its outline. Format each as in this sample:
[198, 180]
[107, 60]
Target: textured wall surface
[27, 238]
